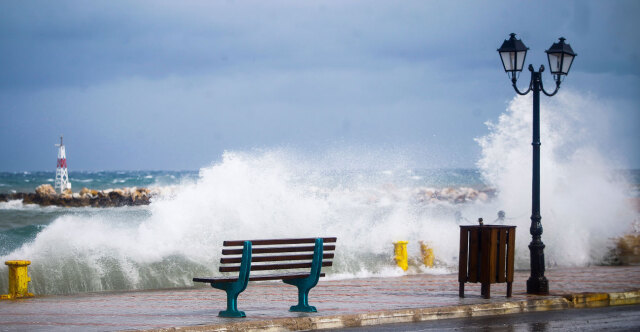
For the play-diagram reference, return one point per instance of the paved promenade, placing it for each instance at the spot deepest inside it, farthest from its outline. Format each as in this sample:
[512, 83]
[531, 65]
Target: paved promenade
[340, 303]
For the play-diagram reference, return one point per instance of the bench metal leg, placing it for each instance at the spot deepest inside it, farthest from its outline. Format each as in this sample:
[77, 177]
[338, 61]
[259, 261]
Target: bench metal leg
[234, 289]
[303, 301]
[232, 306]
[305, 285]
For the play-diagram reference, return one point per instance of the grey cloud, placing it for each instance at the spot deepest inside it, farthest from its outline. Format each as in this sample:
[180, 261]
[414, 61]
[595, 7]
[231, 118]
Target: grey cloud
[200, 77]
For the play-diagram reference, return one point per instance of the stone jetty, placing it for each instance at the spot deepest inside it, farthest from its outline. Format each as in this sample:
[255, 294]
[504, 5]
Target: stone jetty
[454, 195]
[45, 195]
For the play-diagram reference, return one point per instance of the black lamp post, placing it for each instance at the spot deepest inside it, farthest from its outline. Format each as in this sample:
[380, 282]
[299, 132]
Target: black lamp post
[512, 53]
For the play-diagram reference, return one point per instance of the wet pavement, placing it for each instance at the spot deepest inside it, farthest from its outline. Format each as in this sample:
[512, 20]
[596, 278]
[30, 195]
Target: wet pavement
[618, 318]
[269, 301]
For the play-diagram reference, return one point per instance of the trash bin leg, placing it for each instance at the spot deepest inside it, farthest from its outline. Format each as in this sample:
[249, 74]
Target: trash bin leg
[485, 290]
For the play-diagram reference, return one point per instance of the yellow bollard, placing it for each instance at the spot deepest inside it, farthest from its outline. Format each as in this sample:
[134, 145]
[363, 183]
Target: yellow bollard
[427, 254]
[400, 250]
[18, 280]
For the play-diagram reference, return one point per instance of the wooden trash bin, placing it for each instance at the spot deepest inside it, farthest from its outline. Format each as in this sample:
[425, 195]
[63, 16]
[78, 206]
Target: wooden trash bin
[486, 256]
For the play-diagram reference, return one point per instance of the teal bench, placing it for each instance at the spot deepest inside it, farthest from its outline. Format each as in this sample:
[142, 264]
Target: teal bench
[287, 256]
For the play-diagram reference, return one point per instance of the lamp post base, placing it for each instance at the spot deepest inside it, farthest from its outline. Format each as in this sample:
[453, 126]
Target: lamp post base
[538, 285]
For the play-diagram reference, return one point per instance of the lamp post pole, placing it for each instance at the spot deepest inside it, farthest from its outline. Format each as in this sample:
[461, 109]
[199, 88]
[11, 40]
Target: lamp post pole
[513, 53]
[537, 282]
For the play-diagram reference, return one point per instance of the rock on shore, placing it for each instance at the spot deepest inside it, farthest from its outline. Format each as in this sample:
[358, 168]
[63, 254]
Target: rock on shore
[454, 195]
[45, 195]
[628, 249]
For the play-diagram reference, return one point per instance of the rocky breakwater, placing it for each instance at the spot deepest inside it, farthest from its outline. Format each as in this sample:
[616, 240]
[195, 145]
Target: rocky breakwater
[454, 195]
[45, 195]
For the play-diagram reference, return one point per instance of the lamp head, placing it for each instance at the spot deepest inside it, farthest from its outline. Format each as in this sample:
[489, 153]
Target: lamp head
[560, 57]
[512, 53]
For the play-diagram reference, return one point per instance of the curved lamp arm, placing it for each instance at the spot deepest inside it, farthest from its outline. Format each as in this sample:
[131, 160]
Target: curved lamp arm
[515, 87]
[554, 91]
[557, 84]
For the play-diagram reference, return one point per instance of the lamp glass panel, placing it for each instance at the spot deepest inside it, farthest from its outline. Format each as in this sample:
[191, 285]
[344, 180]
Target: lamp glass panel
[520, 58]
[508, 60]
[566, 64]
[555, 62]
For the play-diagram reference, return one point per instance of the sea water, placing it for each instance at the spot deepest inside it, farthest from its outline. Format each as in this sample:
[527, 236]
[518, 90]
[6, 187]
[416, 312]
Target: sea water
[285, 193]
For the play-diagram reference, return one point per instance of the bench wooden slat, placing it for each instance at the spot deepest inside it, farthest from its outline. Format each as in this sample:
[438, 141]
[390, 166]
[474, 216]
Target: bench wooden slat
[277, 250]
[259, 277]
[275, 255]
[266, 267]
[230, 260]
[276, 241]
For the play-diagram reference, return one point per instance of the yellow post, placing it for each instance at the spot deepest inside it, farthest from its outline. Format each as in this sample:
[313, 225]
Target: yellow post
[18, 280]
[427, 254]
[400, 250]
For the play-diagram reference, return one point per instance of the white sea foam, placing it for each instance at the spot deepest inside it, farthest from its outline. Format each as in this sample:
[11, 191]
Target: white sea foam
[15, 204]
[271, 194]
[582, 205]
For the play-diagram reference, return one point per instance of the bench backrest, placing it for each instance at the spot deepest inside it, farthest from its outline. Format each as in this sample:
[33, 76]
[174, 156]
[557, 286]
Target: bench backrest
[278, 254]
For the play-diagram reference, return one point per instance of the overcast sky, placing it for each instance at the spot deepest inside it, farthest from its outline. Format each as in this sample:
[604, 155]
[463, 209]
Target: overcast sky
[172, 84]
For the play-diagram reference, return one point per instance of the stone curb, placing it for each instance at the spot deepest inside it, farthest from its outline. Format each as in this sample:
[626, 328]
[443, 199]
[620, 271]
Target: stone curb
[594, 300]
[578, 300]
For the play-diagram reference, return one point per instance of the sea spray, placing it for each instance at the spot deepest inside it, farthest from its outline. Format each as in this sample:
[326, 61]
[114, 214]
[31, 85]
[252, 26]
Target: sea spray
[275, 193]
[246, 195]
[583, 205]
